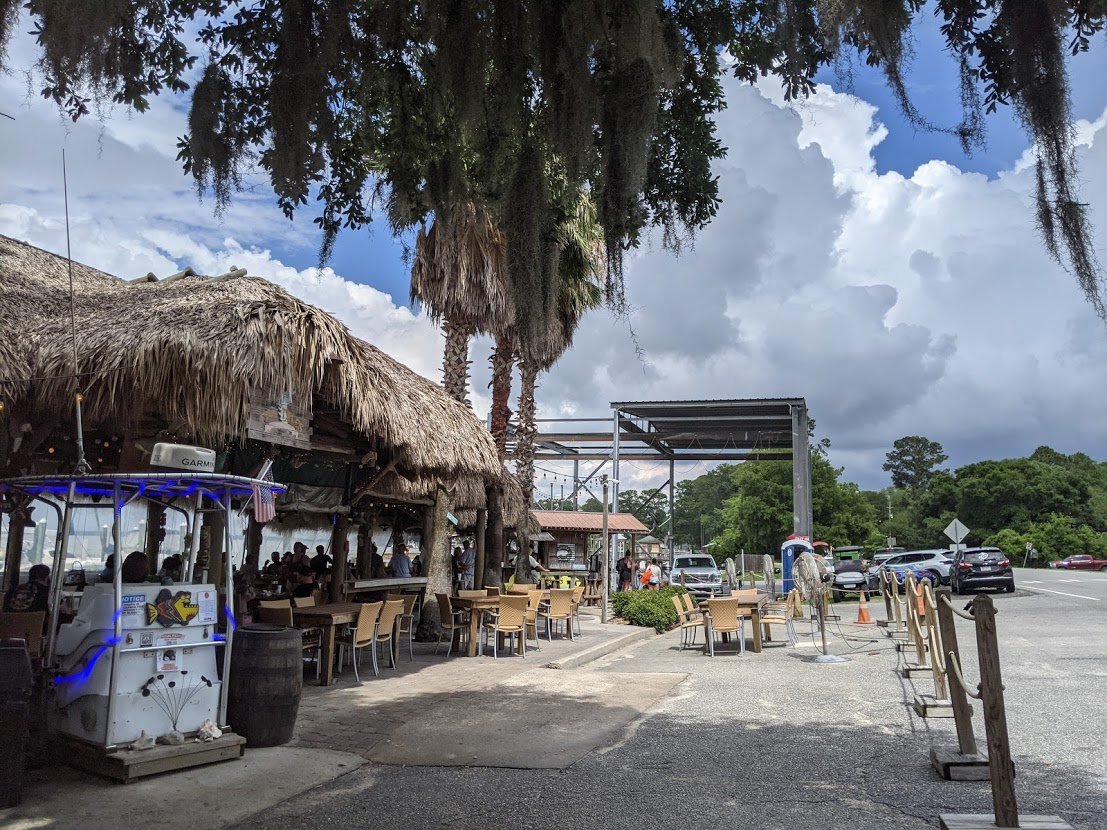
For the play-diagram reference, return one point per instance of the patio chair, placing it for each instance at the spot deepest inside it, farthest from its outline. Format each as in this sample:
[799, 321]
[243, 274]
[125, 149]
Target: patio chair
[481, 594]
[521, 588]
[510, 619]
[492, 592]
[534, 605]
[723, 618]
[451, 621]
[578, 597]
[361, 636]
[560, 609]
[778, 613]
[406, 621]
[690, 609]
[386, 627]
[279, 612]
[688, 626]
[304, 602]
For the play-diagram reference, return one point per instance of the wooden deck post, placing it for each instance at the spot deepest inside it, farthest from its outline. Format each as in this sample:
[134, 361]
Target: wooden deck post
[995, 714]
[966, 764]
[340, 554]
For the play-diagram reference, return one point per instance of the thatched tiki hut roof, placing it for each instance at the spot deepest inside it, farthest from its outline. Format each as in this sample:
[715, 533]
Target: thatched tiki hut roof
[193, 352]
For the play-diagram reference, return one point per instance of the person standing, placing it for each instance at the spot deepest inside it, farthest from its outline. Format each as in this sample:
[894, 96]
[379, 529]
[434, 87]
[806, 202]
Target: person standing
[625, 569]
[654, 572]
[467, 564]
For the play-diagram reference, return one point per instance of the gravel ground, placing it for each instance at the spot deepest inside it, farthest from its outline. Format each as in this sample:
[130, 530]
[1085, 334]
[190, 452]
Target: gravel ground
[772, 741]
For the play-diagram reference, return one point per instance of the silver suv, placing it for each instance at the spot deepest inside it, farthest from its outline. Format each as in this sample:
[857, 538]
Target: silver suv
[700, 574]
[936, 561]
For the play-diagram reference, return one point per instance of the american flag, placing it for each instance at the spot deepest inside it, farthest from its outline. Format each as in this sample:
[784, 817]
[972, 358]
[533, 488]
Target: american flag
[265, 509]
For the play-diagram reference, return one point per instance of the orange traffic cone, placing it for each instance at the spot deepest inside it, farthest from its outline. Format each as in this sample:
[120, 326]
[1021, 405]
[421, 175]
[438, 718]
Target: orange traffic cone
[863, 617]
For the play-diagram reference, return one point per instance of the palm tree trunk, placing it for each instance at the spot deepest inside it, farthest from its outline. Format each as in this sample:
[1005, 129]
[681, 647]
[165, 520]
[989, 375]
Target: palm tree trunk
[494, 537]
[524, 456]
[503, 359]
[455, 361]
[436, 553]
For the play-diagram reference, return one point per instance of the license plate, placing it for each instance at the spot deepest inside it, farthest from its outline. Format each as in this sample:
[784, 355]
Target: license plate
[986, 568]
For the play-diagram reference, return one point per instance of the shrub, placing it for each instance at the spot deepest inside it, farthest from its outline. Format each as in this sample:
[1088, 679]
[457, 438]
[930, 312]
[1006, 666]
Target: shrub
[649, 609]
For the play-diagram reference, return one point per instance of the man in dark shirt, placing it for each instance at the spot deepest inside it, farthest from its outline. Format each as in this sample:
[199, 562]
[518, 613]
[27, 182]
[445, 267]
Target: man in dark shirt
[32, 595]
[320, 562]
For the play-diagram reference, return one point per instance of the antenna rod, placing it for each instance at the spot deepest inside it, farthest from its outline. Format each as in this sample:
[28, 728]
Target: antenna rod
[82, 464]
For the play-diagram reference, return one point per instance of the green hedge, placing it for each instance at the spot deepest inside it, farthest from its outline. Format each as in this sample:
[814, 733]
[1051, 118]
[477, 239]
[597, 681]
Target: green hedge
[649, 609]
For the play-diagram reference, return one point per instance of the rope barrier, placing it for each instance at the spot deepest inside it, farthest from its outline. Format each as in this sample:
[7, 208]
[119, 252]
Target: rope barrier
[956, 672]
[962, 614]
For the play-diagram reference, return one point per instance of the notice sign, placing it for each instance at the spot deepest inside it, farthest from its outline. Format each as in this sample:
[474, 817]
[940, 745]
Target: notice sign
[168, 660]
[206, 601]
[134, 608]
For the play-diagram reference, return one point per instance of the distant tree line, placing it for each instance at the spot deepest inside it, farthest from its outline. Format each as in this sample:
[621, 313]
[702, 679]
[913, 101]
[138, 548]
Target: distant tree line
[1055, 502]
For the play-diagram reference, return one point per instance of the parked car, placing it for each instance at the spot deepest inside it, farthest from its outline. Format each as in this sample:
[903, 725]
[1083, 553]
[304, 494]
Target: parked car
[981, 568]
[701, 574]
[1081, 562]
[849, 575]
[934, 563]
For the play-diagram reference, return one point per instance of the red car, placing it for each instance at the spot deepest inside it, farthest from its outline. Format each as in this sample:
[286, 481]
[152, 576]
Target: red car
[1083, 562]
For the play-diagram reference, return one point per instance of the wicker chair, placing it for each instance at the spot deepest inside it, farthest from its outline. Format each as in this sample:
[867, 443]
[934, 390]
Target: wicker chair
[690, 609]
[304, 602]
[511, 619]
[779, 613]
[386, 627]
[560, 609]
[578, 598]
[723, 618]
[481, 594]
[361, 636]
[492, 592]
[406, 630]
[534, 605]
[521, 588]
[688, 626]
[451, 621]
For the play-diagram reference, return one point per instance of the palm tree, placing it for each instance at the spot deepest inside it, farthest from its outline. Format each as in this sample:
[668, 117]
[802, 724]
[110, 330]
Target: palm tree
[582, 267]
[458, 273]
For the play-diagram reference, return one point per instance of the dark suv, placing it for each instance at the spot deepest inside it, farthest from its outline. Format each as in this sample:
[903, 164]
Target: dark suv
[981, 568]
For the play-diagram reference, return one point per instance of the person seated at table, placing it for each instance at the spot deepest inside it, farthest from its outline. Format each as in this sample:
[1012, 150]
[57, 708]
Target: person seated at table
[273, 566]
[32, 595]
[303, 582]
[135, 567]
[108, 574]
[400, 567]
[417, 565]
[170, 569]
[377, 569]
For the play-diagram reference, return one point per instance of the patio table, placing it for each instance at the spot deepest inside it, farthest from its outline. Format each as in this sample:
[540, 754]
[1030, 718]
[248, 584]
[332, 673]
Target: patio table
[476, 607]
[328, 617]
[750, 605]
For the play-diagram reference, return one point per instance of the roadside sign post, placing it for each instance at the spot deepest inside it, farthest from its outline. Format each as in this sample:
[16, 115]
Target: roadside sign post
[1025, 556]
[956, 532]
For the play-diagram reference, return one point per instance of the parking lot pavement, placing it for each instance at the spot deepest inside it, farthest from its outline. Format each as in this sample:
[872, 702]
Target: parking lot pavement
[1089, 586]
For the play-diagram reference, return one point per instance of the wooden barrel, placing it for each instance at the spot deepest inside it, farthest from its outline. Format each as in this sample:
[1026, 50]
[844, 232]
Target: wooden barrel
[266, 679]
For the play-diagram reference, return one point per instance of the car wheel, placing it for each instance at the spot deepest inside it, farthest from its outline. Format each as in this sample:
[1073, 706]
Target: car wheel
[1102, 568]
[935, 575]
[1011, 588]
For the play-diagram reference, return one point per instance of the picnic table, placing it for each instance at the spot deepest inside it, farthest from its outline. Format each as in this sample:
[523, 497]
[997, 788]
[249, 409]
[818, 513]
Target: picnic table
[327, 618]
[751, 605]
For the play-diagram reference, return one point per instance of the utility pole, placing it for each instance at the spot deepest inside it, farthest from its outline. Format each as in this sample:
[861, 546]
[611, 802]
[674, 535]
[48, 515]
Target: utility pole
[606, 556]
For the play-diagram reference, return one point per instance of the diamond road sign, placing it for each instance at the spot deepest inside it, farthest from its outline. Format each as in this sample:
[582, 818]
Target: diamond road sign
[956, 531]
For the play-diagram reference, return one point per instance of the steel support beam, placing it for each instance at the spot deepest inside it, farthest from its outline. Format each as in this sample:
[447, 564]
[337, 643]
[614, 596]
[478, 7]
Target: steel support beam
[801, 473]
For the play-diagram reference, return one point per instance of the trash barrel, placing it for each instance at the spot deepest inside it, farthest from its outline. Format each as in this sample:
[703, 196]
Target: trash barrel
[16, 682]
[267, 676]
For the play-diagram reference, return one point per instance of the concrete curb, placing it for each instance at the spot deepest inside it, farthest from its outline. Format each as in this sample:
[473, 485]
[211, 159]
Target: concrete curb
[633, 635]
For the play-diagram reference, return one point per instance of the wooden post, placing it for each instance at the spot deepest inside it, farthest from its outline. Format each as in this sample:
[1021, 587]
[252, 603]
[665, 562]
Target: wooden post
[436, 566]
[995, 714]
[479, 543]
[365, 546]
[886, 592]
[340, 554]
[13, 555]
[155, 533]
[494, 537]
[966, 764]
[934, 641]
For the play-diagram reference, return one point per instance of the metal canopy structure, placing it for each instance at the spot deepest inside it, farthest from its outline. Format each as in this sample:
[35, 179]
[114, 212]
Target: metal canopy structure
[751, 429]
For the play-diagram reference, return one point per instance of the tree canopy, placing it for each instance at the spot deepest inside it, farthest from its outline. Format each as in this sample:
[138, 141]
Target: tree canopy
[913, 461]
[407, 107]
